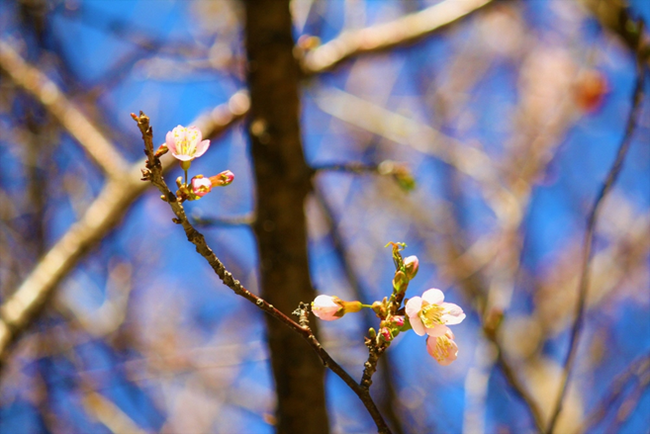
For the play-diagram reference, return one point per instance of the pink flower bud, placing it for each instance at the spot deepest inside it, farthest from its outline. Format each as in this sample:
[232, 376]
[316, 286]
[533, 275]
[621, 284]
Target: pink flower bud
[385, 334]
[398, 321]
[327, 307]
[201, 186]
[222, 179]
[411, 266]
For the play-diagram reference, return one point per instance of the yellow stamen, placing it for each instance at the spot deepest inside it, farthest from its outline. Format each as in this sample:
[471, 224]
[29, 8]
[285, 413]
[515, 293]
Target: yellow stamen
[442, 349]
[431, 314]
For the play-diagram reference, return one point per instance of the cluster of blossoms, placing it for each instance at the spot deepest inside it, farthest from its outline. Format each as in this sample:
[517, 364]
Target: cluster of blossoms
[186, 144]
[427, 314]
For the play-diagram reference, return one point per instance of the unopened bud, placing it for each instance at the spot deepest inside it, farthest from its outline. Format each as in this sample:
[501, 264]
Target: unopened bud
[200, 186]
[400, 282]
[385, 335]
[398, 321]
[411, 266]
[372, 333]
[162, 149]
[222, 179]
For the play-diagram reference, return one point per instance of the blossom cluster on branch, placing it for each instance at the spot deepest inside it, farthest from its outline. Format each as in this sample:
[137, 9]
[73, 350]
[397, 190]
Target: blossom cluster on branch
[427, 315]
[186, 144]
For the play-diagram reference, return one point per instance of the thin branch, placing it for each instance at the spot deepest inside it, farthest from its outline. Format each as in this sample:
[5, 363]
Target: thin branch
[615, 16]
[637, 369]
[32, 80]
[154, 174]
[381, 37]
[468, 160]
[635, 111]
[19, 310]
[517, 386]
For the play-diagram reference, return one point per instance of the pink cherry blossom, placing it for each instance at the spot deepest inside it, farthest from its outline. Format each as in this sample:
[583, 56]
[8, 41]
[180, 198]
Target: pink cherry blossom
[429, 314]
[326, 307]
[444, 349]
[185, 143]
[201, 186]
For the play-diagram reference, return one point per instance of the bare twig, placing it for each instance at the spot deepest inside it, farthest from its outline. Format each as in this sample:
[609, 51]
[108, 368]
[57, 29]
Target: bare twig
[407, 29]
[635, 111]
[639, 368]
[154, 174]
[468, 160]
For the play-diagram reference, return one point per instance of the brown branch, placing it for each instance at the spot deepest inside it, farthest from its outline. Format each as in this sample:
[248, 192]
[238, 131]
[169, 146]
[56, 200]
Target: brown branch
[635, 111]
[154, 174]
[615, 16]
[381, 37]
[20, 309]
[32, 80]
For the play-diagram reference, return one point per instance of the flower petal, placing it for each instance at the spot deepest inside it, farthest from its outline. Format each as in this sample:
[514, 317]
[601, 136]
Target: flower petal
[417, 326]
[413, 306]
[325, 301]
[453, 315]
[445, 351]
[170, 142]
[199, 135]
[202, 147]
[437, 331]
[433, 296]
[179, 132]
[182, 157]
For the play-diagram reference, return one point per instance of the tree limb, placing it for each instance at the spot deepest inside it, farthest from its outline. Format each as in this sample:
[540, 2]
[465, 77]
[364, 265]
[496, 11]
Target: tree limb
[32, 80]
[380, 37]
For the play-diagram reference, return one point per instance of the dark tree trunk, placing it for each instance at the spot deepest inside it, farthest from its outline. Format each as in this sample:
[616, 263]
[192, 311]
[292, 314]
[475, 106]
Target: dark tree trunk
[283, 181]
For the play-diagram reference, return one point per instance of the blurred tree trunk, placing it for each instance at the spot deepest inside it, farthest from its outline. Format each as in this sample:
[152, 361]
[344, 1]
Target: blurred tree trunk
[283, 181]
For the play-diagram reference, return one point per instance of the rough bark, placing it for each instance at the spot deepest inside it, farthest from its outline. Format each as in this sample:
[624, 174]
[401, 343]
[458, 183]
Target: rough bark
[282, 182]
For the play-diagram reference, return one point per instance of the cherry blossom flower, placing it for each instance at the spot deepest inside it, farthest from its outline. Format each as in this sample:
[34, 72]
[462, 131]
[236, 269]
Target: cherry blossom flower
[201, 186]
[444, 349]
[185, 143]
[326, 307]
[429, 314]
